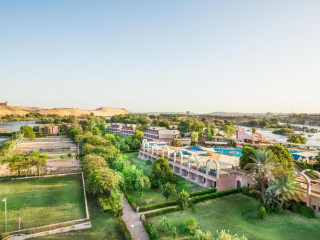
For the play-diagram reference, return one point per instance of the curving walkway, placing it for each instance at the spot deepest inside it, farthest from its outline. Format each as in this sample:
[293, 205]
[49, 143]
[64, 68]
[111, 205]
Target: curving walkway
[131, 217]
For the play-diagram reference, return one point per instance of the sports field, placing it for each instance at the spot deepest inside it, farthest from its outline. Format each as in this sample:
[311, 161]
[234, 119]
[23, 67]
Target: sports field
[40, 202]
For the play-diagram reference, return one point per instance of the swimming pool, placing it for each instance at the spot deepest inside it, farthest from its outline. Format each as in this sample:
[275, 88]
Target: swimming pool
[237, 152]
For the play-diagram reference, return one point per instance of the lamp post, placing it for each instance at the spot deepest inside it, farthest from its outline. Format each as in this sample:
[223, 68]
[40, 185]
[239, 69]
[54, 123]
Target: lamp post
[132, 226]
[5, 213]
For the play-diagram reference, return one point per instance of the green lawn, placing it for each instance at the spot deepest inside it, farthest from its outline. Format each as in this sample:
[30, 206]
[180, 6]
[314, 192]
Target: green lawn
[237, 213]
[104, 226]
[42, 201]
[154, 195]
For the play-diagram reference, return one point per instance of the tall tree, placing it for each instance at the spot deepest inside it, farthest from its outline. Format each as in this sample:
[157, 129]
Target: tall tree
[262, 168]
[161, 173]
[282, 155]
[38, 160]
[143, 184]
[247, 155]
[168, 189]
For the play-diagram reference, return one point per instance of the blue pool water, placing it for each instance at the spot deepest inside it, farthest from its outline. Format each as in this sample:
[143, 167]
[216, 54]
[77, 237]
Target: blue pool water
[195, 148]
[237, 152]
[230, 151]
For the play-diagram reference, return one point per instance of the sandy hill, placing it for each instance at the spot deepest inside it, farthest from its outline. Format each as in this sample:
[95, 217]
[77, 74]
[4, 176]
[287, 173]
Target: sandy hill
[106, 112]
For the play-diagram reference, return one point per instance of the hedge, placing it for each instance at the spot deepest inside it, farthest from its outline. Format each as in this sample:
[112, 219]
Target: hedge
[130, 200]
[152, 232]
[162, 211]
[215, 195]
[307, 212]
[123, 230]
[203, 192]
[104, 203]
[158, 205]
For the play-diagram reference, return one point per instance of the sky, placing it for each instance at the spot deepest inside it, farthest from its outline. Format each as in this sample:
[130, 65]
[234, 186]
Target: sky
[172, 56]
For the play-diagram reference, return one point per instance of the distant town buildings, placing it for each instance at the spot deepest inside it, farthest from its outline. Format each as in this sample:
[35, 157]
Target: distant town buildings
[269, 115]
[161, 134]
[49, 130]
[122, 129]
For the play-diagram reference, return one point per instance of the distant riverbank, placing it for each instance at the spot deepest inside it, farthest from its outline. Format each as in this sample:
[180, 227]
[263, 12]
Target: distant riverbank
[313, 139]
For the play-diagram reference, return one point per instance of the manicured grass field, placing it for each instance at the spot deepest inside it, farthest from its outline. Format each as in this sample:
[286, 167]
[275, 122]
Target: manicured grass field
[104, 226]
[154, 195]
[42, 201]
[238, 214]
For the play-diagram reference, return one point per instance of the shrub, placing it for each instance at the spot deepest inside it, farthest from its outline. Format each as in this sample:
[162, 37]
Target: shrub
[215, 195]
[162, 211]
[190, 225]
[152, 232]
[158, 205]
[203, 192]
[123, 230]
[262, 213]
[148, 162]
[104, 203]
[307, 212]
[183, 200]
[200, 235]
[165, 224]
[296, 207]
[62, 156]
[175, 232]
[131, 200]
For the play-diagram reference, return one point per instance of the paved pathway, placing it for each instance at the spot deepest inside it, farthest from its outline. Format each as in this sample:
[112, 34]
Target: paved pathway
[131, 217]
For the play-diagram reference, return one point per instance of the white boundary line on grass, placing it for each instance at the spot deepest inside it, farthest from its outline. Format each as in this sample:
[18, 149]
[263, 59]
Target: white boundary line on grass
[77, 220]
[41, 176]
[85, 197]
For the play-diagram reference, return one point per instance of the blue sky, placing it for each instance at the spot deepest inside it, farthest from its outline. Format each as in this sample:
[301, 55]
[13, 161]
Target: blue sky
[202, 56]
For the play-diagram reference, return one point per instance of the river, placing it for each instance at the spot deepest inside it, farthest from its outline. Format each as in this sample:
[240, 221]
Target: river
[9, 127]
[313, 140]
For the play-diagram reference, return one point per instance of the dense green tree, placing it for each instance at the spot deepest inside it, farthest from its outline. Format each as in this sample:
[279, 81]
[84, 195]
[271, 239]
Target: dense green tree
[297, 138]
[183, 200]
[282, 155]
[161, 173]
[194, 138]
[73, 131]
[131, 174]
[38, 160]
[208, 132]
[103, 181]
[92, 162]
[176, 143]
[96, 131]
[28, 132]
[143, 184]
[110, 137]
[165, 124]
[168, 189]
[116, 202]
[247, 155]
[18, 162]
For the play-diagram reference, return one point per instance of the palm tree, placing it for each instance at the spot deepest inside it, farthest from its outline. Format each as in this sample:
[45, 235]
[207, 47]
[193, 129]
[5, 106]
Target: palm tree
[287, 188]
[262, 167]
